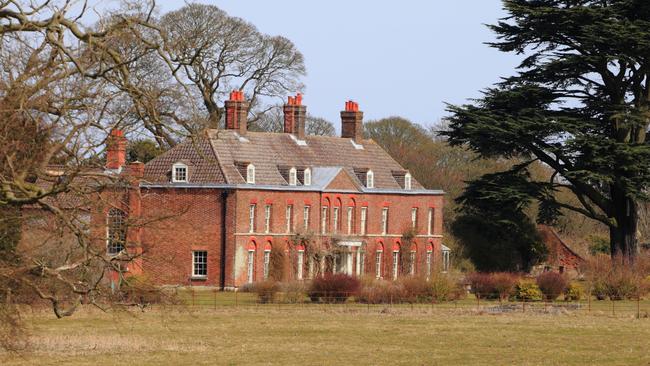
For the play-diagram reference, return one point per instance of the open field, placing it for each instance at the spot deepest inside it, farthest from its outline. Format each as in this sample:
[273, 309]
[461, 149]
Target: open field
[338, 334]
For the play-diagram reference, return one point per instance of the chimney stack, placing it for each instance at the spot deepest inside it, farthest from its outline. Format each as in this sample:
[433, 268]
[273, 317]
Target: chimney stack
[237, 112]
[116, 150]
[352, 122]
[294, 117]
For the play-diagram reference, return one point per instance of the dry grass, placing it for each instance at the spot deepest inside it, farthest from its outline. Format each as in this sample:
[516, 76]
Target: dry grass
[333, 335]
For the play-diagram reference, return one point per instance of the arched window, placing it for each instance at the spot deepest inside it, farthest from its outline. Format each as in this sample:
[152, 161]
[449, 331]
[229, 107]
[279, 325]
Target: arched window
[307, 177]
[300, 262]
[250, 273]
[378, 258]
[116, 231]
[370, 179]
[179, 173]
[396, 249]
[407, 181]
[413, 259]
[429, 259]
[267, 260]
[250, 174]
[293, 176]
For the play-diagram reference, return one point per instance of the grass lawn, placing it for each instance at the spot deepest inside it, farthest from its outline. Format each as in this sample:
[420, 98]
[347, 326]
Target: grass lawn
[333, 335]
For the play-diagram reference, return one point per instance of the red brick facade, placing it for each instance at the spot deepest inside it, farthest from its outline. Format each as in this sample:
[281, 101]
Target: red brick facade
[199, 218]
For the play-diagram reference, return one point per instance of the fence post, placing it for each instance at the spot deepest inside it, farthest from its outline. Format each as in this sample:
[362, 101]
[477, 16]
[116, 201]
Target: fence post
[589, 301]
[613, 311]
[236, 300]
[215, 299]
[638, 306]
[478, 303]
[524, 305]
[193, 300]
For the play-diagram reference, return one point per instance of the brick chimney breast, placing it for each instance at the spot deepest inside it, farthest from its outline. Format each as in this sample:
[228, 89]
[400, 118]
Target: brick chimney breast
[295, 117]
[116, 150]
[352, 122]
[237, 112]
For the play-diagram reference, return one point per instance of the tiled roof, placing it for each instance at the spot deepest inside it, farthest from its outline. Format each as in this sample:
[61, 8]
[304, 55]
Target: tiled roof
[196, 153]
[216, 157]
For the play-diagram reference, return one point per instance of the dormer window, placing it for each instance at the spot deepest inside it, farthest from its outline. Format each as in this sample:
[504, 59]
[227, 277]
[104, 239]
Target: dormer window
[293, 176]
[250, 174]
[179, 173]
[407, 181]
[307, 177]
[370, 179]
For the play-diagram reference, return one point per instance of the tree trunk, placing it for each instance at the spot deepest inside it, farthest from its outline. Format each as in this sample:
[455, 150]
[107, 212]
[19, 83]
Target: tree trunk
[623, 236]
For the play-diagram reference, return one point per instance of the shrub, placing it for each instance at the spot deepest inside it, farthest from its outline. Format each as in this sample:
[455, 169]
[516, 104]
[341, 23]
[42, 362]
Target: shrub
[294, 291]
[373, 291]
[528, 291]
[266, 291]
[623, 283]
[499, 285]
[552, 284]
[333, 288]
[413, 289]
[617, 279]
[139, 290]
[574, 292]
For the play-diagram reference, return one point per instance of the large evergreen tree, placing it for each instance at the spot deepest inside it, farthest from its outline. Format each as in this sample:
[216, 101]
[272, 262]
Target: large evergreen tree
[579, 103]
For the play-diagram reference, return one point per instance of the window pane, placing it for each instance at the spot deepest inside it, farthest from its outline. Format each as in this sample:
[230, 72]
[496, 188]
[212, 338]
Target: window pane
[116, 231]
[200, 261]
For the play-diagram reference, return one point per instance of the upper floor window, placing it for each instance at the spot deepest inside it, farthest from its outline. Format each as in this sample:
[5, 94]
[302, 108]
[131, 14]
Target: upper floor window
[307, 177]
[335, 217]
[116, 231]
[250, 174]
[267, 218]
[364, 221]
[407, 181]
[370, 179]
[414, 217]
[293, 176]
[305, 217]
[251, 218]
[384, 220]
[324, 217]
[289, 215]
[179, 172]
[350, 220]
[430, 221]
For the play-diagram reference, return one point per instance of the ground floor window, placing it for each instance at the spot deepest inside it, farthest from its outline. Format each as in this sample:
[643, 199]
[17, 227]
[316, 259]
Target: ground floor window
[378, 263]
[251, 266]
[445, 261]
[300, 263]
[412, 263]
[395, 264]
[199, 263]
[429, 255]
[267, 261]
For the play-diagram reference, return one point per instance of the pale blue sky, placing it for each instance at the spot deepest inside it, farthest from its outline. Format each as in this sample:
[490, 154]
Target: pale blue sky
[401, 58]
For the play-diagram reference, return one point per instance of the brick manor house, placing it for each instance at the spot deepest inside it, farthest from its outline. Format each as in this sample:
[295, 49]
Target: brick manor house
[216, 207]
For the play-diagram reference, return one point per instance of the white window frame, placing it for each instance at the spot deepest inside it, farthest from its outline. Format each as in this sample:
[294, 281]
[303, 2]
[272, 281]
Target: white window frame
[175, 175]
[293, 177]
[195, 263]
[267, 218]
[250, 174]
[335, 219]
[307, 177]
[430, 221]
[350, 219]
[306, 216]
[395, 264]
[412, 258]
[414, 217]
[250, 271]
[323, 219]
[429, 258]
[267, 261]
[384, 220]
[116, 225]
[252, 209]
[300, 263]
[378, 259]
[364, 220]
[370, 179]
[408, 179]
[445, 261]
[289, 216]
